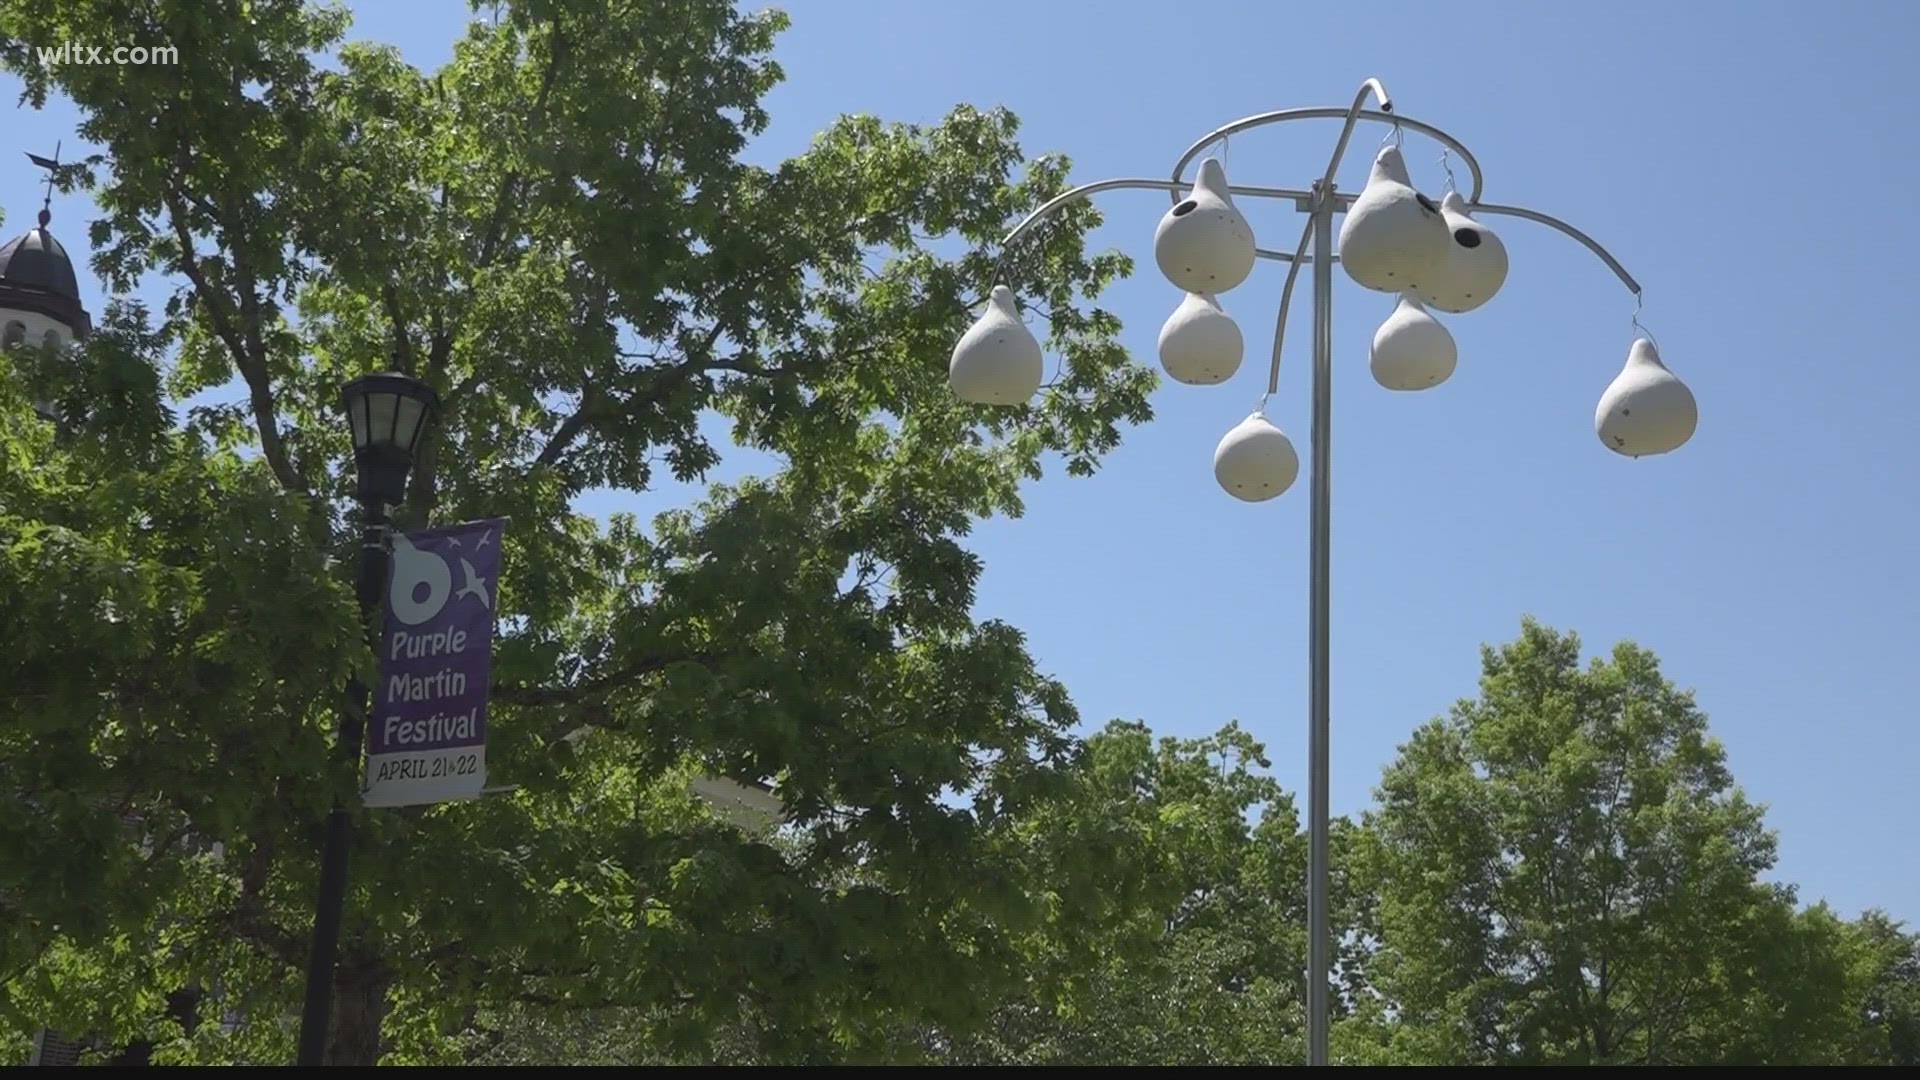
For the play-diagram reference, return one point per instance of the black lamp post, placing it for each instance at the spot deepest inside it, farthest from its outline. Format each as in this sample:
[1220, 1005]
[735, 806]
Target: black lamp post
[389, 415]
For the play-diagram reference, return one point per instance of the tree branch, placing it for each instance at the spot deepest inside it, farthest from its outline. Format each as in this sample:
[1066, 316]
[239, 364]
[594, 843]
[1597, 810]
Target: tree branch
[569, 430]
[445, 952]
[165, 846]
[491, 1038]
[402, 338]
[618, 680]
[288, 948]
[508, 194]
[464, 387]
[664, 378]
[237, 330]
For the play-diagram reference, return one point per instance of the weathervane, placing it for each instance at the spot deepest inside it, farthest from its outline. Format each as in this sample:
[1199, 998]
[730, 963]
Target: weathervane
[52, 165]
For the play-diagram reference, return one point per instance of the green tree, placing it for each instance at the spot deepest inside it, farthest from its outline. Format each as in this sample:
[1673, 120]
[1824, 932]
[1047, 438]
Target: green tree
[1174, 871]
[1194, 868]
[1190, 911]
[557, 231]
[1889, 991]
[1567, 873]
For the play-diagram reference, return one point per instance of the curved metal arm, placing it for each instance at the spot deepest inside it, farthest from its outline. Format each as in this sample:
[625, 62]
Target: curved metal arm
[1592, 245]
[1341, 201]
[1084, 190]
[1284, 115]
[1048, 208]
[1379, 92]
[1286, 301]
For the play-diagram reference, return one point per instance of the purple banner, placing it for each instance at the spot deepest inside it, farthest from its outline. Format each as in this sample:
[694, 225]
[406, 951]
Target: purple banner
[427, 741]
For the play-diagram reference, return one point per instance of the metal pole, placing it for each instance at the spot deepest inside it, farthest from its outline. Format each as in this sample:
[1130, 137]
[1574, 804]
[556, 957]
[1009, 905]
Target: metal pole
[1318, 936]
[316, 1014]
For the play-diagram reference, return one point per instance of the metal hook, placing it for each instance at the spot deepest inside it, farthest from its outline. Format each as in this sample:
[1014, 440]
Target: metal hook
[1639, 301]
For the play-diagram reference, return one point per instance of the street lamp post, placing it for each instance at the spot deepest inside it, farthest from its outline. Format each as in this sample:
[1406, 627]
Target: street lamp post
[1393, 239]
[389, 414]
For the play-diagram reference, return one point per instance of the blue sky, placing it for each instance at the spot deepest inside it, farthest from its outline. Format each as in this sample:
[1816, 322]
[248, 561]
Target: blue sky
[1743, 160]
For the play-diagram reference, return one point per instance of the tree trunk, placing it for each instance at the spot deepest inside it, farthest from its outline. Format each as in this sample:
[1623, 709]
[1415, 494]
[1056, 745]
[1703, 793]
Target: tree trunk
[359, 1007]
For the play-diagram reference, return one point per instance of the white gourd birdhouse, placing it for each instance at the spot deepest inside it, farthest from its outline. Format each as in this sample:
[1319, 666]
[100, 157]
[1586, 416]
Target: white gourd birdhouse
[1646, 409]
[1204, 244]
[1411, 350]
[998, 360]
[1393, 237]
[1255, 461]
[1201, 345]
[1476, 264]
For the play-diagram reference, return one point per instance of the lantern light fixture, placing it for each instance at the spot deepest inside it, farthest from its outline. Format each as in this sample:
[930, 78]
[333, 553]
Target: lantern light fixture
[388, 413]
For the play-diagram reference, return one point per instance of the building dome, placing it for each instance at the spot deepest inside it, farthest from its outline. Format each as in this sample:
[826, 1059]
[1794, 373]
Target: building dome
[37, 278]
[36, 261]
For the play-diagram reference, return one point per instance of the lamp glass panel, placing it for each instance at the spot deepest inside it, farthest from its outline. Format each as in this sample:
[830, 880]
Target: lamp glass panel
[357, 418]
[382, 407]
[407, 418]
